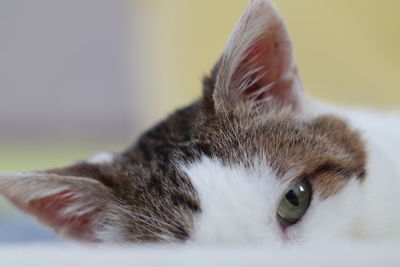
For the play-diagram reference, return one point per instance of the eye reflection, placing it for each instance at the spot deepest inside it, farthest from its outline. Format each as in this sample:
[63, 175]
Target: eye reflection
[295, 203]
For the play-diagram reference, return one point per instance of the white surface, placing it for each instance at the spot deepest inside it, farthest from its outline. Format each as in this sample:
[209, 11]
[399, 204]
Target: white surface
[339, 255]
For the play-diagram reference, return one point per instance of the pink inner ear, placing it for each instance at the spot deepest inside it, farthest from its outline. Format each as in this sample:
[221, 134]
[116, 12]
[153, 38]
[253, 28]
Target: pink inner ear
[272, 59]
[50, 211]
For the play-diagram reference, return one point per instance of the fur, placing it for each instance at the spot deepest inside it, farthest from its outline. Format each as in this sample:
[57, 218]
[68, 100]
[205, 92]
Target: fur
[215, 171]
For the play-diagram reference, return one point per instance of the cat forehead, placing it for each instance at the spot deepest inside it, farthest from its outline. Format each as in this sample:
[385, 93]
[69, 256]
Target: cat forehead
[322, 147]
[287, 142]
[284, 140]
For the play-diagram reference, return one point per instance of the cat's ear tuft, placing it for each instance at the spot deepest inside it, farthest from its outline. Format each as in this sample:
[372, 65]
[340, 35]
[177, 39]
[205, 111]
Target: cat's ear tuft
[257, 65]
[75, 207]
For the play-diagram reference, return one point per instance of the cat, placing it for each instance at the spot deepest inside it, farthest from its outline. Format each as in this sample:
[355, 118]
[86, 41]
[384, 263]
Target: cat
[253, 161]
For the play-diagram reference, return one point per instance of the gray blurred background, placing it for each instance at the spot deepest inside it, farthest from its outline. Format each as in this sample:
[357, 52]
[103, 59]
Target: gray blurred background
[63, 69]
[67, 69]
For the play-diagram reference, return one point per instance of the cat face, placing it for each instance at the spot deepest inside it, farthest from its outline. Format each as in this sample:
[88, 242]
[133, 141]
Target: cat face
[245, 163]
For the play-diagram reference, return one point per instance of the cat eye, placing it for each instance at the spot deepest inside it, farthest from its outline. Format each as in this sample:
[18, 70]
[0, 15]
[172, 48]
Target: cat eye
[294, 203]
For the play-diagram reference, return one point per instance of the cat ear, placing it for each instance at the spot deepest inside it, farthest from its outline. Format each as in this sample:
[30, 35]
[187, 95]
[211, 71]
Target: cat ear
[257, 65]
[73, 205]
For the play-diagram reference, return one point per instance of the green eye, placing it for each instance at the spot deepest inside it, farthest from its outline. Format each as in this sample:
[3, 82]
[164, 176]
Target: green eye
[295, 203]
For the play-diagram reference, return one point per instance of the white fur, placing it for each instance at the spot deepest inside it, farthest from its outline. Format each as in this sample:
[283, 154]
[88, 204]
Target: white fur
[101, 158]
[381, 135]
[378, 210]
[239, 204]
[236, 202]
[112, 233]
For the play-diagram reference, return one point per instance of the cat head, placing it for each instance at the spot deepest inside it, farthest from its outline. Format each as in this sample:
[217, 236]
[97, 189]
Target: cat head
[247, 162]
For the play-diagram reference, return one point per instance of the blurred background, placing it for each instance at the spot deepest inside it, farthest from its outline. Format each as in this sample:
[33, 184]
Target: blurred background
[79, 76]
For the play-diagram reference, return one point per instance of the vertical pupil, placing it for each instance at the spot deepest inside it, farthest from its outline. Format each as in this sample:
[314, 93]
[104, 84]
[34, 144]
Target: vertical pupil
[292, 198]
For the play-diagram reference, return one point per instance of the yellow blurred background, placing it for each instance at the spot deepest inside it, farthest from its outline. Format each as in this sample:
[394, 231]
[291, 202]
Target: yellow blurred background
[347, 50]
